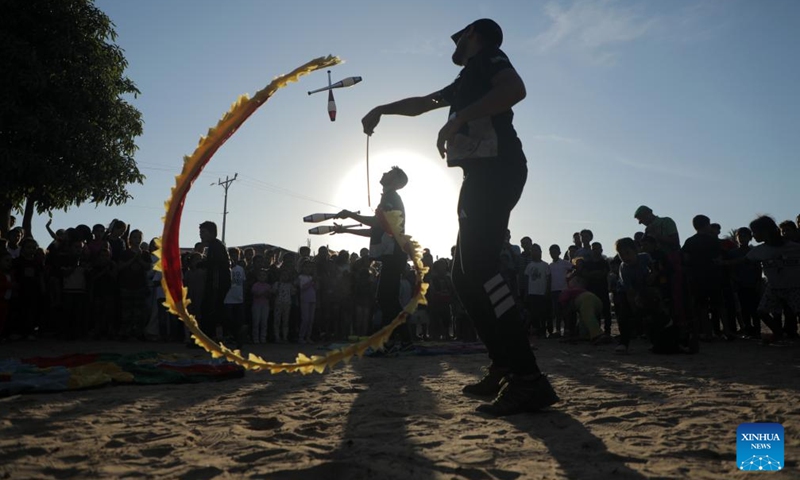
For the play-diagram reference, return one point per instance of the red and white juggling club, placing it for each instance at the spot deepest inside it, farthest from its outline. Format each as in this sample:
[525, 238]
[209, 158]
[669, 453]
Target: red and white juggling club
[347, 82]
[331, 106]
[331, 101]
[325, 229]
[318, 217]
[321, 217]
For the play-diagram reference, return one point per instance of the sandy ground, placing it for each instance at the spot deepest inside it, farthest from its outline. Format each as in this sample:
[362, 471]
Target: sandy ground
[623, 417]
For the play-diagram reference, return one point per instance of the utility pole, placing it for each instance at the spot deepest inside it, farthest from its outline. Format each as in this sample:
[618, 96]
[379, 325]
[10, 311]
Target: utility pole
[226, 185]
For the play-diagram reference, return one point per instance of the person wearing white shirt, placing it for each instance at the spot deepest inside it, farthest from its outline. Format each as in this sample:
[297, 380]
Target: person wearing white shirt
[538, 275]
[234, 300]
[559, 269]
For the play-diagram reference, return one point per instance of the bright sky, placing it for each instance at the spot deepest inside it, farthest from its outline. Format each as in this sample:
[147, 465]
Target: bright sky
[686, 106]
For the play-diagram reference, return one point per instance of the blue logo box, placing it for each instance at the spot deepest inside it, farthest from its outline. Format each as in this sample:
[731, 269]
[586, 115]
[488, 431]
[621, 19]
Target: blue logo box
[759, 447]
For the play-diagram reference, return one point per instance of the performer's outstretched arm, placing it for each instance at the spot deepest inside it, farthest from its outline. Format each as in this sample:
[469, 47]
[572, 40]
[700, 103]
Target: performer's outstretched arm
[408, 107]
[362, 232]
[369, 221]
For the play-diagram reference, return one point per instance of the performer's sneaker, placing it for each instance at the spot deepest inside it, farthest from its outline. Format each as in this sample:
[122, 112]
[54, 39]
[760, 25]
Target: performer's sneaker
[489, 385]
[522, 393]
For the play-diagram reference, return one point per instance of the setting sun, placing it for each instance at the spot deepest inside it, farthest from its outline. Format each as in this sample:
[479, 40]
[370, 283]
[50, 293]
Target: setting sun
[430, 199]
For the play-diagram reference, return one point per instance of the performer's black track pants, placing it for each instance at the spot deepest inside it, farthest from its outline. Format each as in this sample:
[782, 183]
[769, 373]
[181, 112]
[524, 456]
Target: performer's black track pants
[488, 194]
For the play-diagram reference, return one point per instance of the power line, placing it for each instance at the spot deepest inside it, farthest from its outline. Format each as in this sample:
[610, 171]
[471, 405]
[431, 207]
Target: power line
[256, 184]
[226, 185]
[286, 192]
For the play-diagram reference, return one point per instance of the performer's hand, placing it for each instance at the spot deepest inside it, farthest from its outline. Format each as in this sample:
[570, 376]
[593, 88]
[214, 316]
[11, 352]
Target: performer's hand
[344, 214]
[446, 134]
[49, 222]
[370, 121]
[337, 229]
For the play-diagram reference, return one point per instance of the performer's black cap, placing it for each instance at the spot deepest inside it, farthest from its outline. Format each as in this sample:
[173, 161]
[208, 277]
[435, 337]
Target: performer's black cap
[488, 29]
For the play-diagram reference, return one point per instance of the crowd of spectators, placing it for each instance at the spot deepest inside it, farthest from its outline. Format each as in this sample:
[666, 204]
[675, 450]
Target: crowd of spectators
[100, 283]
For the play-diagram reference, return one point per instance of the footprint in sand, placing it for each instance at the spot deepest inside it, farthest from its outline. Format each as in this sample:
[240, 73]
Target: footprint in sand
[602, 420]
[65, 472]
[314, 430]
[473, 456]
[10, 456]
[212, 438]
[263, 424]
[157, 452]
[254, 457]
[288, 437]
[204, 473]
[74, 458]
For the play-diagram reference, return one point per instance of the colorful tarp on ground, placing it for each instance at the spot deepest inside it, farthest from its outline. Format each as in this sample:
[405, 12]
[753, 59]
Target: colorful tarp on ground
[79, 371]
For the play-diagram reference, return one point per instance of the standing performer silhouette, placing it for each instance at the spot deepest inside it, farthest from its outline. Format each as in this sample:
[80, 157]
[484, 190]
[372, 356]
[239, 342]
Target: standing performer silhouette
[479, 137]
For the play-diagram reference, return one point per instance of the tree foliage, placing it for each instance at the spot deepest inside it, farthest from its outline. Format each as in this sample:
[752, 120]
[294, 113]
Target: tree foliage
[67, 133]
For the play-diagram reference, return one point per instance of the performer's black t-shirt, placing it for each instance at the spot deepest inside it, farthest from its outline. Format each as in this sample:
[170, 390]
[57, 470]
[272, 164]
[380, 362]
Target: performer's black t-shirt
[487, 138]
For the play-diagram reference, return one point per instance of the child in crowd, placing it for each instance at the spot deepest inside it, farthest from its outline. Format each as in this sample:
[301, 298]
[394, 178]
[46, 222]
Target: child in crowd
[103, 277]
[593, 269]
[363, 296]
[419, 324]
[261, 291]
[194, 279]
[538, 295]
[575, 299]
[234, 300]
[29, 276]
[637, 281]
[440, 294]
[747, 284]
[308, 300]
[116, 239]
[780, 260]
[13, 245]
[342, 306]
[97, 243]
[6, 290]
[74, 293]
[559, 269]
[162, 324]
[702, 253]
[283, 305]
[132, 267]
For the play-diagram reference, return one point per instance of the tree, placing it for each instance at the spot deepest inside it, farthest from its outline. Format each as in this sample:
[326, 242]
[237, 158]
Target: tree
[66, 131]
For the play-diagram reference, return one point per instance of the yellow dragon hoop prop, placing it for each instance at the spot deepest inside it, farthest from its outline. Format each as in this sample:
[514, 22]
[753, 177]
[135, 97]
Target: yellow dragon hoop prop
[169, 261]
